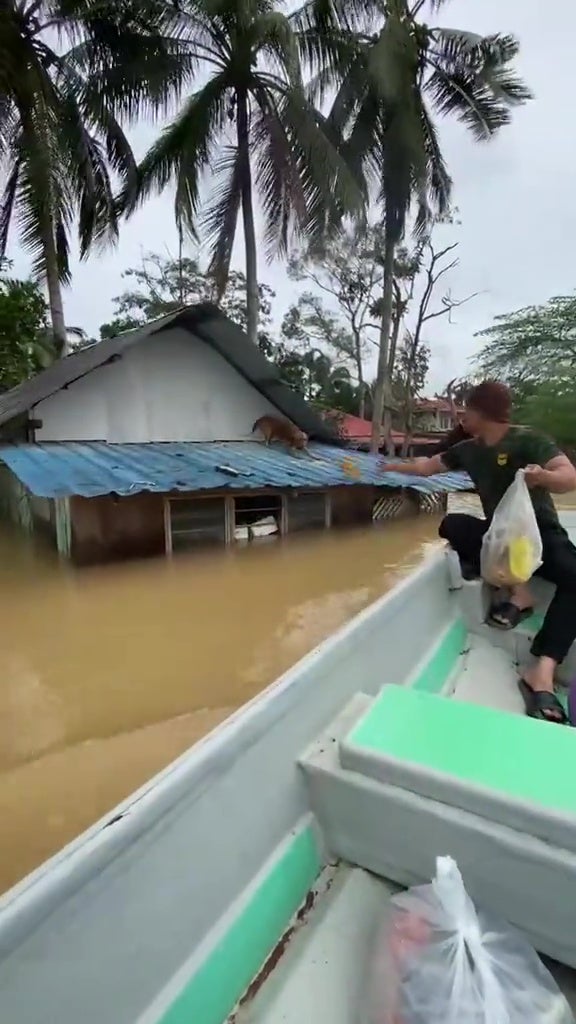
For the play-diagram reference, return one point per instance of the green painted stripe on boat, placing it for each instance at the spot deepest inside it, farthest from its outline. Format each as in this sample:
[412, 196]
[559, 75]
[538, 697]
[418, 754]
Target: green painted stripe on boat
[213, 992]
[521, 757]
[438, 669]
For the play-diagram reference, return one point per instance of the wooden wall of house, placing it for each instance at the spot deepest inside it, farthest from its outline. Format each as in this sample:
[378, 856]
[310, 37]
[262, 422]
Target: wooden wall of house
[106, 528]
[352, 504]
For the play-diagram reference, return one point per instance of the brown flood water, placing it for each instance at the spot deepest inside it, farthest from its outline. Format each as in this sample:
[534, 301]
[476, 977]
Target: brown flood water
[106, 675]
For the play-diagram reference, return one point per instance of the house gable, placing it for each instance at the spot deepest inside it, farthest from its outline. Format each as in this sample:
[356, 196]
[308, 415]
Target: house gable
[168, 387]
[204, 323]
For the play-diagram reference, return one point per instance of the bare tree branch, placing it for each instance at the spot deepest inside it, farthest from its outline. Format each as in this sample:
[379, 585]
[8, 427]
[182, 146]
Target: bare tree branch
[434, 271]
[449, 304]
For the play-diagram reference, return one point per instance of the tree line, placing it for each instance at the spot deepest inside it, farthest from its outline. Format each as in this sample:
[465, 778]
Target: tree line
[320, 117]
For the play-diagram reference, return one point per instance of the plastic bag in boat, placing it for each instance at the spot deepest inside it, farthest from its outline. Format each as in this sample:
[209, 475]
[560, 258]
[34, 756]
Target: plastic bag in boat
[512, 546]
[442, 961]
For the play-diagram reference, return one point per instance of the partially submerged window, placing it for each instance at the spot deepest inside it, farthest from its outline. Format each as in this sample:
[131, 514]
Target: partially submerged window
[257, 516]
[306, 510]
[194, 521]
[191, 522]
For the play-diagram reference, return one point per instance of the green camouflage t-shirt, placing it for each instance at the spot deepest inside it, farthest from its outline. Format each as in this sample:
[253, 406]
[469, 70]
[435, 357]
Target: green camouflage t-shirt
[492, 468]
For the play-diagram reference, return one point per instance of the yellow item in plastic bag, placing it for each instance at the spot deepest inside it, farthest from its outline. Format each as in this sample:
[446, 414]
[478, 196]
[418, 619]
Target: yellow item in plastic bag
[521, 556]
[512, 545]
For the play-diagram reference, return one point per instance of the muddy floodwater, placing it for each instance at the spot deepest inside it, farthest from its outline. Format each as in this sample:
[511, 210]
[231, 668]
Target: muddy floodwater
[108, 674]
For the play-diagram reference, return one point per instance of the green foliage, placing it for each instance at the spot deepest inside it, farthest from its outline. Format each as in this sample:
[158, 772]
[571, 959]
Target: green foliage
[532, 344]
[410, 372]
[390, 75]
[534, 351]
[68, 73]
[551, 408]
[162, 284]
[24, 346]
[313, 373]
[347, 269]
[250, 123]
[309, 322]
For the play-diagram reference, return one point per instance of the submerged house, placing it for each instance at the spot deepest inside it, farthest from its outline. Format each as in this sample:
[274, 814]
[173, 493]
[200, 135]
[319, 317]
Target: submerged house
[142, 444]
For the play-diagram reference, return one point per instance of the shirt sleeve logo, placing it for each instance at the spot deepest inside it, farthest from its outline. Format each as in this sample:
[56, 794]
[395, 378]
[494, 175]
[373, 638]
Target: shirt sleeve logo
[502, 458]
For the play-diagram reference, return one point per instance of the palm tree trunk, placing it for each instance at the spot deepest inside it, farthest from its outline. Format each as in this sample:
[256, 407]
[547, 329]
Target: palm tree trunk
[393, 345]
[382, 388]
[252, 297]
[55, 292]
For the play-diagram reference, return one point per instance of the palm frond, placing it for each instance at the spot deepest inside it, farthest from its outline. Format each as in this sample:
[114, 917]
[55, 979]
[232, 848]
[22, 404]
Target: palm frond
[221, 217]
[43, 201]
[439, 180]
[183, 152]
[468, 99]
[278, 44]
[87, 172]
[7, 204]
[324, 84]
[322, 20]
[140, 75]
[471, 78]
[277, 173]
[330, 187]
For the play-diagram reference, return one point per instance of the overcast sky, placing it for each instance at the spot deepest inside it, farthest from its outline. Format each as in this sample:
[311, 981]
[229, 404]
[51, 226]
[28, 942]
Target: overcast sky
[516, 198]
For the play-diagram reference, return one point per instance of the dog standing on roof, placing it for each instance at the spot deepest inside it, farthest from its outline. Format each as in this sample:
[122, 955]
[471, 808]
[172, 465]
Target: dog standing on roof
[275, 428]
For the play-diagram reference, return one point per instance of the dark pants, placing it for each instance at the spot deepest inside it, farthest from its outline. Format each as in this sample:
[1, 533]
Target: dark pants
[465, 533]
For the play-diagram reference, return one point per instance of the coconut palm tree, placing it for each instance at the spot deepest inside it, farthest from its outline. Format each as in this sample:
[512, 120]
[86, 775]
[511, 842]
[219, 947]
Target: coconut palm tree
[390, 73]
[251, 126]
[68, 70]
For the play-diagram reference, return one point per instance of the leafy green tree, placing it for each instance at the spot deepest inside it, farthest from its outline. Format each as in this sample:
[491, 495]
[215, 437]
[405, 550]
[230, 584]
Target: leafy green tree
[531, 345]
[410, 374]
[346, 270]
[249, 125]
[534, 351]
[314, 374]
[162, 284]
[68, 72]
[24, 341]
[551, 408]
[391, 72]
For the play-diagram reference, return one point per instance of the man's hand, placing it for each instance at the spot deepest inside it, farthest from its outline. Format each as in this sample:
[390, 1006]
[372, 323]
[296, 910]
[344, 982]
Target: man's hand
[535, 476]
[417, 467]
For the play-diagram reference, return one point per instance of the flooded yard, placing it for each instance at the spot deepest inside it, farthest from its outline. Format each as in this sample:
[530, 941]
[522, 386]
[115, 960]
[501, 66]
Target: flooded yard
[108, 674]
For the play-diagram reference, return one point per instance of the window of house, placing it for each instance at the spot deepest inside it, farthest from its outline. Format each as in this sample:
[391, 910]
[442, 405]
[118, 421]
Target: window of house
[194, 521]
[306, 510]
[257, 516]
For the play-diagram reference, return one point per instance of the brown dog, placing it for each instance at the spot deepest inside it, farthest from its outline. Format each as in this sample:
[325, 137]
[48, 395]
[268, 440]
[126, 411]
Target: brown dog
[274, 428]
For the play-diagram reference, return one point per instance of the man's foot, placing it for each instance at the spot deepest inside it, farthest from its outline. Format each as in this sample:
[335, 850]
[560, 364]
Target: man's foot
[537, 689]
[508, 614]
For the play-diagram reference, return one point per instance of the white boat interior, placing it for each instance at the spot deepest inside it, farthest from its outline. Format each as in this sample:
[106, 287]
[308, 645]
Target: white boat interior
[248, 881]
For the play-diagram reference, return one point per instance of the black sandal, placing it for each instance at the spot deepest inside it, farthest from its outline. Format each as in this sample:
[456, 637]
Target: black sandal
[542, 705]
[509, 615]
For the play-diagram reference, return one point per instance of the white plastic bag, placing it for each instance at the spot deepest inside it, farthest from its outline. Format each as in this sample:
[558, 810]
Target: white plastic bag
[512, 546]
[444, 962]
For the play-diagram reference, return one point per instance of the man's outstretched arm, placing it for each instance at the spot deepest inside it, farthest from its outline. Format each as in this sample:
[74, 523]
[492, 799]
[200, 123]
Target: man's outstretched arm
[419, 467]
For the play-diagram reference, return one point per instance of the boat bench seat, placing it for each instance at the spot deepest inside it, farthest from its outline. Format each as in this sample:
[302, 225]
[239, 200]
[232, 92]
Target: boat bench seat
[508, 768]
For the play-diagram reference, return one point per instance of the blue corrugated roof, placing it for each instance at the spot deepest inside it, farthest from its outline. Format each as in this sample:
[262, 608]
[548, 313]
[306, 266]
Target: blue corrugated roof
[59, 469]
